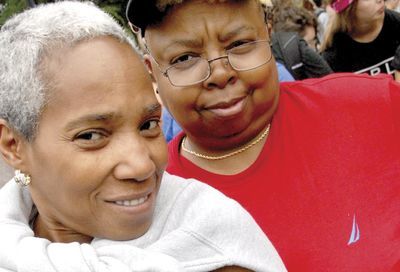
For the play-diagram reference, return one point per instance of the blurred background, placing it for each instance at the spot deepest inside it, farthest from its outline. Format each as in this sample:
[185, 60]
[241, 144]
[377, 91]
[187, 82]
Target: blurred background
[10, 7]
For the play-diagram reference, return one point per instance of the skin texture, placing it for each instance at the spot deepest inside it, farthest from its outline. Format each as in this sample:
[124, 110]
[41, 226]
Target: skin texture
[204, 29]
[98, 141]
[368, 20]
[369, 10]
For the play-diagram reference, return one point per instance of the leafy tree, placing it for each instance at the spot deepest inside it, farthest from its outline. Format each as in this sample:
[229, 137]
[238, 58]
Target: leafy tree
[114, 7]
[10, 8]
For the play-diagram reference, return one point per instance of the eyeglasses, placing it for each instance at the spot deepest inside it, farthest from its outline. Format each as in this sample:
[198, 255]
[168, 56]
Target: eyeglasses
[194, 70]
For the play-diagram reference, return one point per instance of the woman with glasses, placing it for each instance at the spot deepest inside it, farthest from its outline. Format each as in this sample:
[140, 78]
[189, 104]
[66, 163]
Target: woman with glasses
[316, 162]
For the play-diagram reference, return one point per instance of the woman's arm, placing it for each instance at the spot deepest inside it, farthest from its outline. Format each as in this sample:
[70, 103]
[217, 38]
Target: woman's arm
[21, 251]
[186, 240]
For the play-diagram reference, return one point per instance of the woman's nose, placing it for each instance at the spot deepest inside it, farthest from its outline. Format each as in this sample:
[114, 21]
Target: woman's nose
[221, 73]
[133, 161]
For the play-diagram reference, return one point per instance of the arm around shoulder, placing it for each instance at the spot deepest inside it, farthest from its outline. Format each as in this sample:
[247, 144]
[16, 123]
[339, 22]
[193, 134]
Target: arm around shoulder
[218, 224]
[21, 251]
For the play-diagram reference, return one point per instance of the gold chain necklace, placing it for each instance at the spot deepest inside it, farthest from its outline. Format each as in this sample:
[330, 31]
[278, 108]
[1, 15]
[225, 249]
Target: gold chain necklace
[262, 136]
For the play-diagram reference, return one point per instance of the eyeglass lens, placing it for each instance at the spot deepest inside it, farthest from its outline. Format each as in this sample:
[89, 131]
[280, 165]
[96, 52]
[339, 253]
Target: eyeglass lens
[244, 57]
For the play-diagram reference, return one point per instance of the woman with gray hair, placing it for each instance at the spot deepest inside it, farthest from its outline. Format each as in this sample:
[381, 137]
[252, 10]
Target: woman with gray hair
[80, 123]
[315, 162]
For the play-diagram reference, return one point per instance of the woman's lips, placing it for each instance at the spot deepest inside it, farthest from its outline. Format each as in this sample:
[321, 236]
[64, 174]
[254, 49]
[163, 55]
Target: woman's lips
[132, 206]
[132, 202]
[226, 109]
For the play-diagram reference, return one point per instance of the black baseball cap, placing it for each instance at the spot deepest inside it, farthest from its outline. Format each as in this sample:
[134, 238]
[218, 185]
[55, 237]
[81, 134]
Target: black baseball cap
[143, 13]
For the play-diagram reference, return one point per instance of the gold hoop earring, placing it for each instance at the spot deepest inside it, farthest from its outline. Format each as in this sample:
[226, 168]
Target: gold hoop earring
[21, 178]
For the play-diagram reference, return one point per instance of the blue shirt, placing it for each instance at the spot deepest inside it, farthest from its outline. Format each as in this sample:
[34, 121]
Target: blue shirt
[283, 73]
[169, 126]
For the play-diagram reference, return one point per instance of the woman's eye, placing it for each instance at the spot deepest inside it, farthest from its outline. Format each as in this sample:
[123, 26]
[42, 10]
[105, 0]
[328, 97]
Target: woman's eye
[182, 58]
[149, 125]
[237, 43]
[91, 139]
[90, 136]
[151, 129]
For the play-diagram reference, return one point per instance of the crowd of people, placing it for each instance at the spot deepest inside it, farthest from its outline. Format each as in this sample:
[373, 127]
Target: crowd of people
[283, 119]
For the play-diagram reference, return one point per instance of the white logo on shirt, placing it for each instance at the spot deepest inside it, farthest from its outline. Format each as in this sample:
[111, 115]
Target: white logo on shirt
[355, 232]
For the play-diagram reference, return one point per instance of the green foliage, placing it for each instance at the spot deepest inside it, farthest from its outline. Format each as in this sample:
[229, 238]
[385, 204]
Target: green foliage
[114, 7]
[11, 7]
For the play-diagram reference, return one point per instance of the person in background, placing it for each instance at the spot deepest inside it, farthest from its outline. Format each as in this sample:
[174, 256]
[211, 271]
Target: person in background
[323, 12]
[362, 37]
[79, 122]
[292, 26]
[296, 19]
[315, 162]
[396, 64]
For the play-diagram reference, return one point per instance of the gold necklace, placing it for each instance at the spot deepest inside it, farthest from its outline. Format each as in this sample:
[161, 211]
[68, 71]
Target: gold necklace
[262, 136]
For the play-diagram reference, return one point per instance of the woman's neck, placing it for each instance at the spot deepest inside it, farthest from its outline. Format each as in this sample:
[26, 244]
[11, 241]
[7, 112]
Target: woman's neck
[231, 164]
[365, 32]
[55, 233]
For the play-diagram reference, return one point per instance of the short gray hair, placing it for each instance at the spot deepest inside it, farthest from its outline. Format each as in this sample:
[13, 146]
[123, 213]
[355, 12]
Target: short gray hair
[25, 40]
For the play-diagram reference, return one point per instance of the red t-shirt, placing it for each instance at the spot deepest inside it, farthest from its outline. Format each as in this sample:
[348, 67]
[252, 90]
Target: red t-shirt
[326, 186]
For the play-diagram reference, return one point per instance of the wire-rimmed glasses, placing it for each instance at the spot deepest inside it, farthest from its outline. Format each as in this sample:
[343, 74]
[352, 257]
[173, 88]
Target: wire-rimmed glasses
[244, 57]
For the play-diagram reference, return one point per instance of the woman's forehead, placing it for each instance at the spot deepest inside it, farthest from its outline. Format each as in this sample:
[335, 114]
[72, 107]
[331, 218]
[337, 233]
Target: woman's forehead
[94, 69]
[229, 5]
[144, 14]
[192, 17]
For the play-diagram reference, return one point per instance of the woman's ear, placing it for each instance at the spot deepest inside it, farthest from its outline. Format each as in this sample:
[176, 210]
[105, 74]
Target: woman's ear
[11, 145]
[149, 67]
[147, 63]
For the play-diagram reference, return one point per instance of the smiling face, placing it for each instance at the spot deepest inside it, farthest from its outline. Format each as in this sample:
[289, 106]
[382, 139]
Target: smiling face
[230, 107]
[99, 154]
